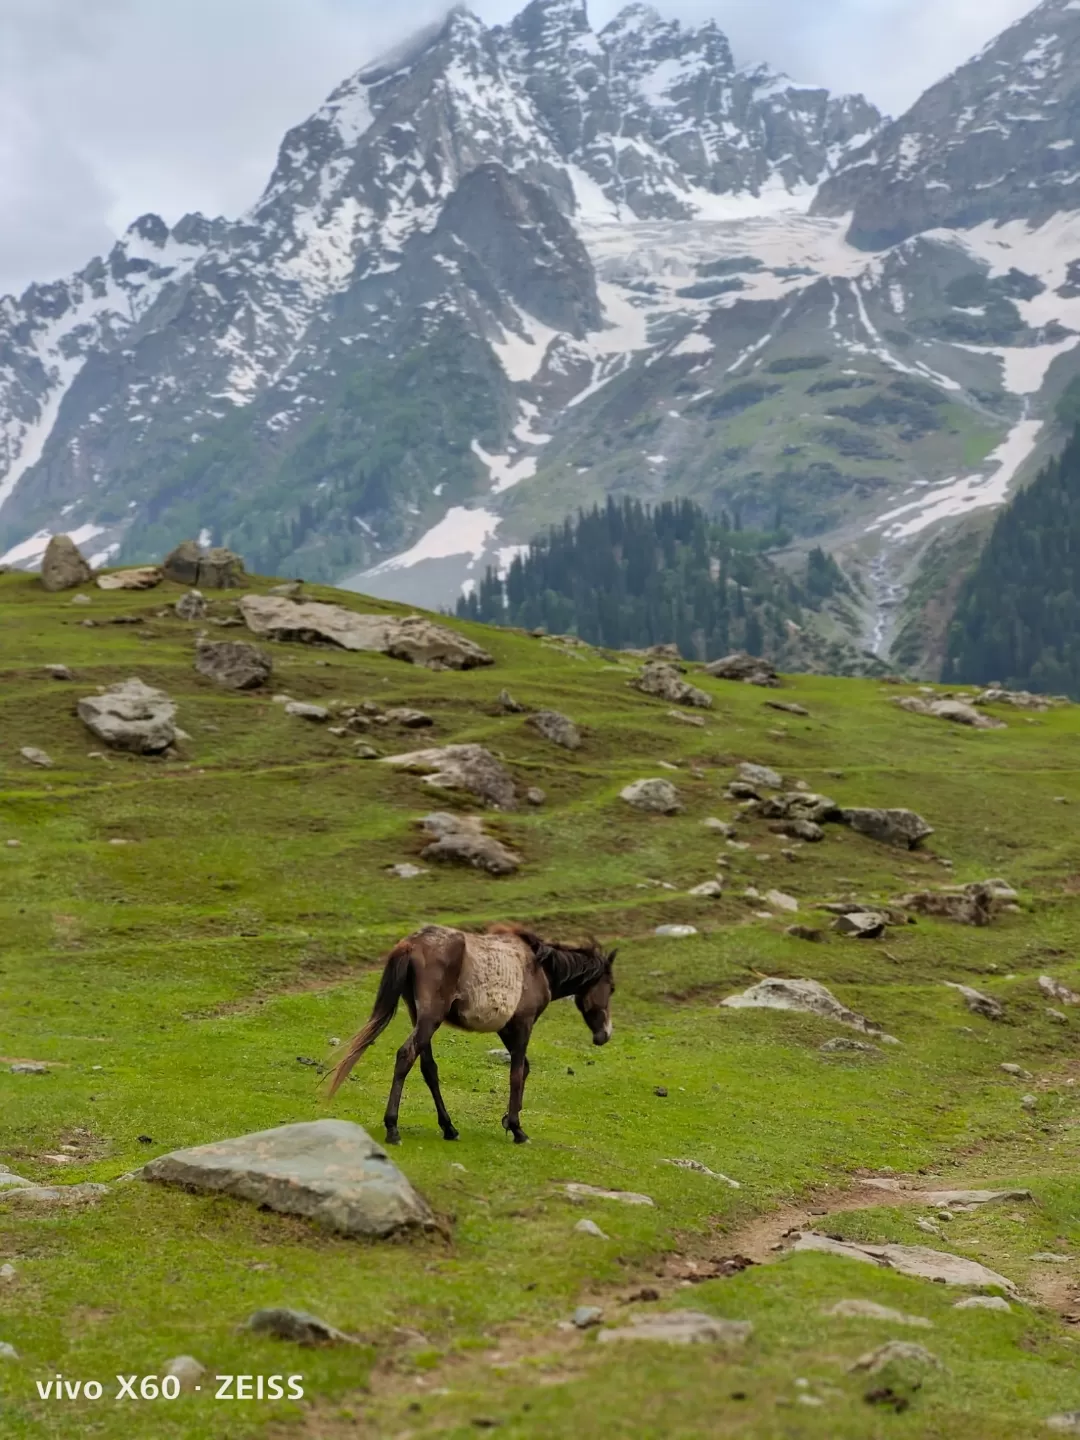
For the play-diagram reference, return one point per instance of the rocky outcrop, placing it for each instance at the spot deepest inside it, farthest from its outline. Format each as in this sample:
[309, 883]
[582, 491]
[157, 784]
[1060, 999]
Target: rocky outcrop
[557, 728]
[747, 668]
[232, 664]
[471, 768]
[64, 566]
[216, 569]
[658, 797]
[329, 1171]
[665, 682]
[902, 828]
[975, 904]
[462, 840]
[957, 711]
[131, 716]
[806, 995]
[413, 637]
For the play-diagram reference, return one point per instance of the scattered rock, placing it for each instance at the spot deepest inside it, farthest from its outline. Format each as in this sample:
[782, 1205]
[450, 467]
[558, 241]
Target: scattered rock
[29, 1067]
[300, 710]
[904, 1350]
[406, 871]
[870, 1310]
[7, 1272]
[1067, 1423]
[330, 1171]
[590, 1227]
[409, 719]
[1029, 1102]
[954, 710]
[842, 1043]
[658, 797]
[215, 569]
[709, 890]
[779, 901]
[1055, 1015]
[413, 638]
[747, 668]
[83, 600]
[665, 682]
[1017, 1070]
[36, 757]
[807, 830]
[698, 720]
[298, 1326]
[8, 1352]
[233, 664]
[146, 577]
[675, 932]
[700, 1169]
[64, 566]
[975, 904]
[557, 728]
[289, 590]
[462, 767]
[59, 672]
[593, 1192]
[805, 932]
[187, 1370]
[966, 1198]
[789, 709]
[760, 775]
[509, 705]
[902, 828]
[1047, 1257]
[915, 1260]
[861, 925]
[681, 1327]
[535, 796]
[191, 606]
[53, 1197]
[807, 996]
[721, 827]
[8, 1181]
[131, 716]
[362, 751]
[1055, 990]
[977, 1002]
[983, 1302]
[586, 1316]
[466, 844]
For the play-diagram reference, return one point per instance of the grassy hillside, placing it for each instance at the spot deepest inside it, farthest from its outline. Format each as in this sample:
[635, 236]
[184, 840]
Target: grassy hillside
[178, 983]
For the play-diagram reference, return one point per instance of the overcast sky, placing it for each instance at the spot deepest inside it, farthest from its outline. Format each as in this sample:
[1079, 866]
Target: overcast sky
[111, 108]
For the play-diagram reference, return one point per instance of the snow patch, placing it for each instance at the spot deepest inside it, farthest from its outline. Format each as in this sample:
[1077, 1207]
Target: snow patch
[459, 532]
[32, 550]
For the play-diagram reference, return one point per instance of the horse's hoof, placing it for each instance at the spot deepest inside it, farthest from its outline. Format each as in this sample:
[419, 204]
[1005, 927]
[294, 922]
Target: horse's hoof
[520, 1138]
[450, 1134]
[393, 1137]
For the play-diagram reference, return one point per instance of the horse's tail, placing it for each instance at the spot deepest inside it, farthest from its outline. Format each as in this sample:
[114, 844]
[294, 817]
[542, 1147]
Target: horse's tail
[391, 988]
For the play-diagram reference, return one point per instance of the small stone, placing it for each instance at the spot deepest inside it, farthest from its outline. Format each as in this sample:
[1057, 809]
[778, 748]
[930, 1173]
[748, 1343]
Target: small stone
[779, 901]
[656, 796]
[760, 775]
[1047, 1257]
[298, 1326]
[721, 827]
[681, 1327]
[1055, 1015]
[406, 871]
[363, 751]
[317, 714]
[661, 1092]
[586, 1316]
[7, 1272]
[8, 1352]
[409, 719]
[1017, 1070]
[80, 600]
[870, 1310]
[29, 1067]
[509, 705]
[12, 844]
[709, 890]
[1029, 1102]
[590, 1227]
[983, 1302]
[59, 672]
[535, 796]
[1067, 1423]
[500, 1054]
[594, 1192]
[675, 932]
[187, 1370]
[33, 756]
[805, 932]
[191, 606]
[902, 1350]
[841, 1043]
[977, 1002]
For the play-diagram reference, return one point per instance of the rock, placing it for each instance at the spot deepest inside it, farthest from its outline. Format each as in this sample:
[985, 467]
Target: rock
[406, 871]
[534, 796]
[740, 790]
[7, 1272]
[59, 672]
[53, 1197]
[983, 1302]
[509, 705]
[191, 606]
[954, 710]
[300, 710]
[409, 719]
[902, 828]
[1067, 1423]
[29, 1067]
[1055, 990]
[915, 1260]
[760, 776]
[586, 1316]
[1020, 699]
[131, 716]
[556, 728]
[675, 932]
[33, 756]
[1029, 1102]
[233, 664]
[1047, 1257]
[974, 905]
[805, 932]
[972, 1197]
[842, 1043]
[807, 830]
[1017, 1070]
[590, 1227]
[904, 1350]
[862, 925]
[592, 1192]
[216, 569]
[64, 567]
[658, 797]
[9, 1181]
[298, 1326]
[413, 638]
[143, 578]
[709, 890]
[779, 901]
[466, 847]
[870, 1310]
[361, 751]
[701, 1169]
[462, 767]
[977, 1002]
[744, 667]
[681, 1327]
[1055, 1015]
[187, 1370]
[721, 827]
[8, 1352]
[698, 720]
[182, 564]
[789, 709]
[82, 600]
[445, 822]
[665, 682]
[330, 1171]
[807, 996]
[289, 589]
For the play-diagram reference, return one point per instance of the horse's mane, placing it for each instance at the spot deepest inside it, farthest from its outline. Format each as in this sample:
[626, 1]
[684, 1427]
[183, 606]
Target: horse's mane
[570, 969]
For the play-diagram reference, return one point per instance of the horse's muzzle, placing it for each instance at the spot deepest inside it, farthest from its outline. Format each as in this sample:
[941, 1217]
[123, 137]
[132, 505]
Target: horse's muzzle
[601, 1037]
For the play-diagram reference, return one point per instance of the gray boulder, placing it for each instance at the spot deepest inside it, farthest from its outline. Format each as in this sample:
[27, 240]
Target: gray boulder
[902, 828]
[557, 728]
[480, 851]
[471, 768]
[659, 797]
[216, 569]
[298, 1326]
[409, 719]
[665, 682]
[975, 904]
[413, 638]
[64, 567]
[806, 995]
[145, 577]
[131, 716]
[330, 1171]
[191, 606]
[182, 564]
[301, 710]
[808, 830]
[977, 1002]
[760, 776]
[53, 1197]
[34, 756]
[741, 666]
[233, 664]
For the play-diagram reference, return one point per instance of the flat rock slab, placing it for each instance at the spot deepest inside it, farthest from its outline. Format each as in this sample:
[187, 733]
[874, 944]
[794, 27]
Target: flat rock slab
[471, 768]
[871, 1310]
[413, 637]
[594, 1192]
[681, 1327]
[916, 1260]
[131, 716]
[146, 577]
[298, 1326]
[330, 1171]
[972, 1197]
[808, 996]
[52, 1197]
[233, 664]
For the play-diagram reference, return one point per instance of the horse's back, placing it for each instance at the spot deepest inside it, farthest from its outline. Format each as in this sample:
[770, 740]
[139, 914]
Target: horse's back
[492, 981]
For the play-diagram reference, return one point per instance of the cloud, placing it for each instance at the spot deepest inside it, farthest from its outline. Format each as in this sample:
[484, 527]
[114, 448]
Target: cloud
[114, 107]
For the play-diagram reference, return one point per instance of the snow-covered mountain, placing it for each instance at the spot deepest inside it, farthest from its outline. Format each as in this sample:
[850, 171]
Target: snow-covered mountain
[504, 272]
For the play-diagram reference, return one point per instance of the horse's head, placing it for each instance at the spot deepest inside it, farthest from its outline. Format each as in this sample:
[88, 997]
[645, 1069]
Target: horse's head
[595, 1002]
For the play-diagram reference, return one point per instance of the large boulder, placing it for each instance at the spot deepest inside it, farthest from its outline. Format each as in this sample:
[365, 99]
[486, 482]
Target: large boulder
[232, 664]
[64, 566]
[658, 797]
[413, 637]
[182, 564]
[741, 666]
[330, 1171]
[131, 716]
[216, 569]
[143, 578]
[471, 768]
[902, 828]
[559, 729]
[760, 776]
[462, 840]
[975, 904]
[665, 682]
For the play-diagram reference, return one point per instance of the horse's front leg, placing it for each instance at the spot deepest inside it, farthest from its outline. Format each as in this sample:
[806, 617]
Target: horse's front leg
[515, 1037]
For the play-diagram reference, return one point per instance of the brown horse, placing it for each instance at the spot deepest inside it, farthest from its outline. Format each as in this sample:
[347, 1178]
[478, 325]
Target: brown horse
[501, 981]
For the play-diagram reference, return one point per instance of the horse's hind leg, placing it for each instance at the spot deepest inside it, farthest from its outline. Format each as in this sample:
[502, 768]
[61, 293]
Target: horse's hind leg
[406, 1058]
[430, 1072]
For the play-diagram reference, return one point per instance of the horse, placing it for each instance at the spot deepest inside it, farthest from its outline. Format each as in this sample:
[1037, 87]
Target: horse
[501, 980]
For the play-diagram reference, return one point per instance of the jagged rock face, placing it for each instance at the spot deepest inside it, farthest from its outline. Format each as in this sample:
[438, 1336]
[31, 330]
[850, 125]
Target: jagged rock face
[996, 140]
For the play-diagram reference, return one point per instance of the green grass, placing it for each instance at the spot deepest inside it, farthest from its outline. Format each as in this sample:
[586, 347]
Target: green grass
[174, 981]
